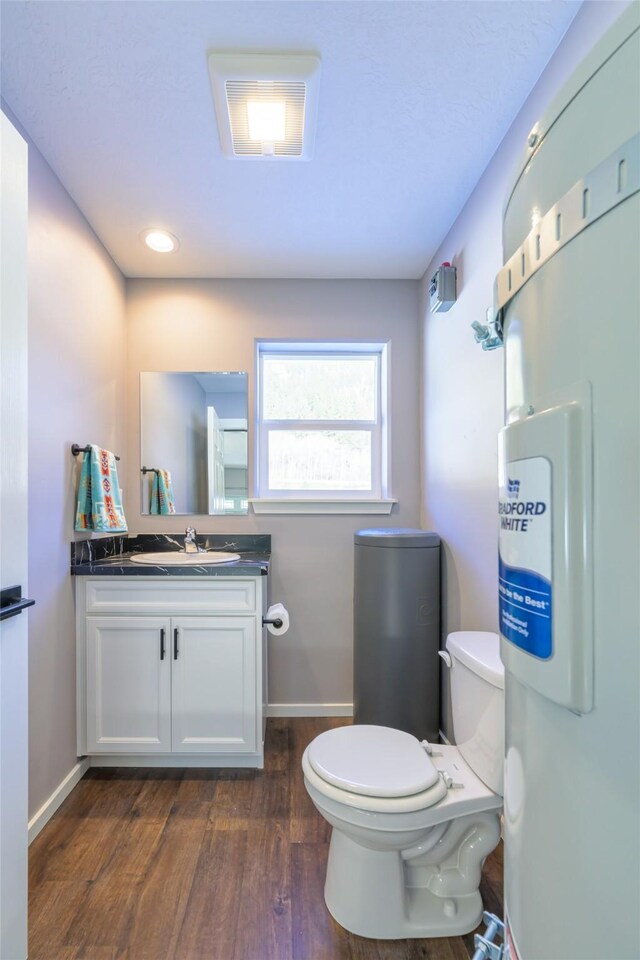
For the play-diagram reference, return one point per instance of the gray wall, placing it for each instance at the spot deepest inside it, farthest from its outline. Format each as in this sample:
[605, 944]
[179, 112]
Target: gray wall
[76, 394]
[462, 385]
[218, 322]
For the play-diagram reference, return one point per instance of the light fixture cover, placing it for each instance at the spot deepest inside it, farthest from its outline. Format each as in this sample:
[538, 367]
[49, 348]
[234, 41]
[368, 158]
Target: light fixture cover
[267, 120]
[271, 80]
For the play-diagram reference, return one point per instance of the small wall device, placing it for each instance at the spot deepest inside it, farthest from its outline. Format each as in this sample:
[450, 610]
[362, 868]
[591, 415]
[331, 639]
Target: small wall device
[442, 289]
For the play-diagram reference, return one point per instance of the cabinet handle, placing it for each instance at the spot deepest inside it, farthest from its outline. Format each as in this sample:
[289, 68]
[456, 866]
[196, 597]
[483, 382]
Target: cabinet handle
[175, 644]
[162, 644]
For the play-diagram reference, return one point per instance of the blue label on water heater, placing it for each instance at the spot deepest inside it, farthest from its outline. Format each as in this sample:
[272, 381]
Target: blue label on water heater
[525, 610]
[525, 585]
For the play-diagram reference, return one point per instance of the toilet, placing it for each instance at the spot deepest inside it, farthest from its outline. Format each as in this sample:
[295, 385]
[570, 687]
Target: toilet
[413, 821]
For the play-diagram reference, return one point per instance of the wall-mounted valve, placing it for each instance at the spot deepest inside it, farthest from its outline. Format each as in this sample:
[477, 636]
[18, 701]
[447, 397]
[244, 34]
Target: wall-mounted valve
[489, 334]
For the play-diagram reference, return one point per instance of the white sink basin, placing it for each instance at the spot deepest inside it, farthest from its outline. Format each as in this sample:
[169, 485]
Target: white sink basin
[174, 558]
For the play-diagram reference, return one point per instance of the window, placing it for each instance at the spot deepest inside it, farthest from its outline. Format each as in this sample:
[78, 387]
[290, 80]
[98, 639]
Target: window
[322, 421]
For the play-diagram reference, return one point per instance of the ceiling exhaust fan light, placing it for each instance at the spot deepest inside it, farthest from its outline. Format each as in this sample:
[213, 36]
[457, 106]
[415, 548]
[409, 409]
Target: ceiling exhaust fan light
[160, 241]
[266, 104]
[266, 120]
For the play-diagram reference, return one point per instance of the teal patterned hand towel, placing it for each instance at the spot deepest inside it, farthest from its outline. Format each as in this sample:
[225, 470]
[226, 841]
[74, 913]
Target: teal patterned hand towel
[161, 493]
[99, 503]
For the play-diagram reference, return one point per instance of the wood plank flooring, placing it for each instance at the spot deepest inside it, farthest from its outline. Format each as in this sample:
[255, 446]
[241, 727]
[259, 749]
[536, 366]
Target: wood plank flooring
[142, 864]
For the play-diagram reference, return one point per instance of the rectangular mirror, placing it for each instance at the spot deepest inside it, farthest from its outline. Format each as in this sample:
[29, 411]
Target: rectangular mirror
[193, 443]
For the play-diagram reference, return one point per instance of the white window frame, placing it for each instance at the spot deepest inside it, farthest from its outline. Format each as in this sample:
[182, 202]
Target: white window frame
[375, 500]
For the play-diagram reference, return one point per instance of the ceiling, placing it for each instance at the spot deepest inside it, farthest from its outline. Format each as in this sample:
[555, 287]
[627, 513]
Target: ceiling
[414, 100]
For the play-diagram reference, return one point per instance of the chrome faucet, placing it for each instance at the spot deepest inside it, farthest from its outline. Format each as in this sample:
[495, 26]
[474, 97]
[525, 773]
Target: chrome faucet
[190, 545]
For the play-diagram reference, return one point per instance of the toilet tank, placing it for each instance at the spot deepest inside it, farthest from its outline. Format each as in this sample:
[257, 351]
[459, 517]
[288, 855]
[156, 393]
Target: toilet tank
[477, 701]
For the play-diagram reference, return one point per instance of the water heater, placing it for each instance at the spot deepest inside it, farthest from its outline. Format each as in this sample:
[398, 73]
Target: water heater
[569, 514]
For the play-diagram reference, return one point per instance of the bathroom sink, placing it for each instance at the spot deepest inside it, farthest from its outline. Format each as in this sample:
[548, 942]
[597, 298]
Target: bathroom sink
[175, 558]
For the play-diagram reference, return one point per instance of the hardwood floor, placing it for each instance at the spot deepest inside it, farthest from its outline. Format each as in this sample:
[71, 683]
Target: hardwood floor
[203, 865]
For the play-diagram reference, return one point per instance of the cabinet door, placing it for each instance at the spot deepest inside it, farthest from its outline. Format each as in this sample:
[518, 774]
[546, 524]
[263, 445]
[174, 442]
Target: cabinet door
[213, 684]
[128, 685]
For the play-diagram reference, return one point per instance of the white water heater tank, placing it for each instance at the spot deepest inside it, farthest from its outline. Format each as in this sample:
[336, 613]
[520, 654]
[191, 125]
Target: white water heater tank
[570, 518]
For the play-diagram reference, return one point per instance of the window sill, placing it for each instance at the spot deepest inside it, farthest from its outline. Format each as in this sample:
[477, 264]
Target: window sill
[291, 505]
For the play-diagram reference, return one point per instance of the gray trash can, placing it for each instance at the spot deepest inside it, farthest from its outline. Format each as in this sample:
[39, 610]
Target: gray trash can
[397, 630]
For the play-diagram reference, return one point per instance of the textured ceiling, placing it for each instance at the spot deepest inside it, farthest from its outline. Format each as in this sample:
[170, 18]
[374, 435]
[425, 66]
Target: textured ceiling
[414, 99]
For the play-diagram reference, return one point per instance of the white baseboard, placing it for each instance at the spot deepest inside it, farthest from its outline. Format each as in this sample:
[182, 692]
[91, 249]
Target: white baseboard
[62, 791]
[309, 710]
[187, 760]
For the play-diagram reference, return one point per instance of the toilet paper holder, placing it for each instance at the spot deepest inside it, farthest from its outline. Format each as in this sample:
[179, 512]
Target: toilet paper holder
[277, 622]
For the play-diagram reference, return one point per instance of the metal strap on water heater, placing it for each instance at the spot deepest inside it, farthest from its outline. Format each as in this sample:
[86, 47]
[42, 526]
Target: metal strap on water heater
[602, 189]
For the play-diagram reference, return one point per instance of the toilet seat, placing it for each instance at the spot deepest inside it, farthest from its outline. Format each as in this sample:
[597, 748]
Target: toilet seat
[439, 803]
[372, 761]
[373, 805]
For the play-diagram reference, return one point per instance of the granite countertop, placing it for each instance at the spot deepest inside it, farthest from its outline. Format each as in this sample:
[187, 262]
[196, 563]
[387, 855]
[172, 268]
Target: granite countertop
[111, 556]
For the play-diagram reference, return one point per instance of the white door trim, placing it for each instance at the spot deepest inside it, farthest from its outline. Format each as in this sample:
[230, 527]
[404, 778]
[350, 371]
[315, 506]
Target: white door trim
[14, 674]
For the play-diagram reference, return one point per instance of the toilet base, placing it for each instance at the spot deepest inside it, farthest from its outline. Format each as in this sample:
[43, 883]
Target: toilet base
[379, 894]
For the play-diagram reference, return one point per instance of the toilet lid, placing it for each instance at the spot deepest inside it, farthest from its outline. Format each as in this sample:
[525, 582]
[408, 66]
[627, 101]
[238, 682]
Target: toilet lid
[372, 761]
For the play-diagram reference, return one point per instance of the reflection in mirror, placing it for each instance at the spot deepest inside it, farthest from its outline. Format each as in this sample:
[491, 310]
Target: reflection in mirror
[193, 443]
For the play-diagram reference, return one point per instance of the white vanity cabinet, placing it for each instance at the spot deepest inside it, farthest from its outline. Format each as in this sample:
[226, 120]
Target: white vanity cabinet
[128, 685]
[171, 670]
[213, 661]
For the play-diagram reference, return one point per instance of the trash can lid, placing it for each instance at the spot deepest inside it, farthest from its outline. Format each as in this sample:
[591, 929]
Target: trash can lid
[397, 537]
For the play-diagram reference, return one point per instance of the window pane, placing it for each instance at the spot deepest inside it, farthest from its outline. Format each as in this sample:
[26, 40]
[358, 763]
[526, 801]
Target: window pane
[319, 460]
[319, 388]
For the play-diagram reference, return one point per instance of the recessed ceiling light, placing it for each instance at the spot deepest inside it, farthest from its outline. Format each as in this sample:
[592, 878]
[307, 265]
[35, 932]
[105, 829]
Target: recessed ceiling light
[161, 241]
[266, 104]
